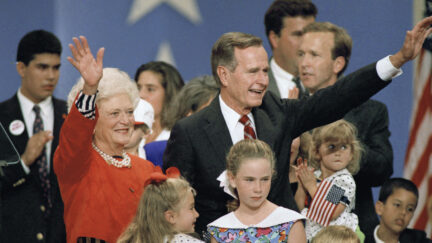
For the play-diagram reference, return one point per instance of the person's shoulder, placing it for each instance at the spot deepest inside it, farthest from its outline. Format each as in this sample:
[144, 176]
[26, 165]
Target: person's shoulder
[341, 174]
[202, 115]
[280, 215]
[373, 104]
[184, 238]
[286, 211]
[190, 121]
[141, 163]
[373, 110]
[59, 101]
[271, 97]
[226, 221]
[343, 178]
[9, 108]
[413, 236]
[272, 104]
[13, 99]
[156, 145]
[59, 104]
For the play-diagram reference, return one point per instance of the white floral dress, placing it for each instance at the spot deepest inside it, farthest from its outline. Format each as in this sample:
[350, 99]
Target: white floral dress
[273, 229]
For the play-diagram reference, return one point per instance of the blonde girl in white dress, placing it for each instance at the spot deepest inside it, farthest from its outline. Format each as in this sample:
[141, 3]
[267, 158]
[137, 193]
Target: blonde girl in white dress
[329, 191]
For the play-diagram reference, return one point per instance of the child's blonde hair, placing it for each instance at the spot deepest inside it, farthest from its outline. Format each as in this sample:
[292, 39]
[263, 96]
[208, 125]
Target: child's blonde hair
[247, 149]
[149, 224]
[336, 234]
[338, 132]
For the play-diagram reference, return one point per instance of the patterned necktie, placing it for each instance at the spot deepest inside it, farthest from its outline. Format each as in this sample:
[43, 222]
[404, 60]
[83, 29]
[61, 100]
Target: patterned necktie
[249, 132]
[296, 80]
[41, 161]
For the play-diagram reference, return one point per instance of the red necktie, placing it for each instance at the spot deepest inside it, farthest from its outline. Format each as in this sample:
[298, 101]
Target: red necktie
[249, 132]
[41, 161]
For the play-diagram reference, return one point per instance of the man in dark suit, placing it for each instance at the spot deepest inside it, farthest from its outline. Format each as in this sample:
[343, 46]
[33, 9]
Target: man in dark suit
[284, 22]
[323, 56]
[31, 205]
[198, 144]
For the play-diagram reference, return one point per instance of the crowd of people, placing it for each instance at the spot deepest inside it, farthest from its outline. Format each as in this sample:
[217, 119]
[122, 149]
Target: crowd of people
[279, 149]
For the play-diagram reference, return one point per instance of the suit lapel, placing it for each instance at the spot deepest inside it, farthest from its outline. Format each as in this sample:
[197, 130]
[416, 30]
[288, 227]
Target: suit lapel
[13, 112]
[216, 130]
[265, 131]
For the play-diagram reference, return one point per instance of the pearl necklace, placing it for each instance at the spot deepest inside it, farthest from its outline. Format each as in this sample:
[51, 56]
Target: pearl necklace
[125, 162]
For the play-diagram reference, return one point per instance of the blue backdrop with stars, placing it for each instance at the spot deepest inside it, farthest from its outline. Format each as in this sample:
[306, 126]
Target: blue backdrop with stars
[183, 31]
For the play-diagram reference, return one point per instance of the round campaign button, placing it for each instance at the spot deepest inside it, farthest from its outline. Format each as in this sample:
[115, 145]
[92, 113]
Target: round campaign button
[16, 127]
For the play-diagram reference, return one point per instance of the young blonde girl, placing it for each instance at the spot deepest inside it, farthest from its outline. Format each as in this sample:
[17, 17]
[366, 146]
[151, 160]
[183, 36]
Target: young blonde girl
[250, 169]
[165, 213]
[329, 191]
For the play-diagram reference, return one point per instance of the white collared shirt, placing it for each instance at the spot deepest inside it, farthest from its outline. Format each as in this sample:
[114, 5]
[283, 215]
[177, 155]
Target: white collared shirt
[47, 115]
[283, 79]
[377, 239]
[385, 69]
[235, 128]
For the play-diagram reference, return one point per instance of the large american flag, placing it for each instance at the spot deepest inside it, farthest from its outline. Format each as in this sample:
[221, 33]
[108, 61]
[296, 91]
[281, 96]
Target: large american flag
[418, 157]
[324, 203]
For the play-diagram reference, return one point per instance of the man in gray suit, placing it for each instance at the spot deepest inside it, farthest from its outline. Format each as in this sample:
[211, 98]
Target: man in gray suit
[323, 56]
[284, 22]
[199, 143]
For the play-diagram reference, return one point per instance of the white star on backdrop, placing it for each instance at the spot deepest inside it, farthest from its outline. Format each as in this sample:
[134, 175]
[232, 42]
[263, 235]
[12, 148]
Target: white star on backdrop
[188, 8]
[165, 53]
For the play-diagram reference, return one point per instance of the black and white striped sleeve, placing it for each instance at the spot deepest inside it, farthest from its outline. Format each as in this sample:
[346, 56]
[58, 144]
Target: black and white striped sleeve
[86, 105]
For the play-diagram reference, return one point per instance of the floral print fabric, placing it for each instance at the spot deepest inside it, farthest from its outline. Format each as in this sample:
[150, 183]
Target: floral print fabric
[273, 234]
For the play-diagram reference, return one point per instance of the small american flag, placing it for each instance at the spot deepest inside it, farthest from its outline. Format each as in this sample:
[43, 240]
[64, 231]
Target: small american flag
[324, 203]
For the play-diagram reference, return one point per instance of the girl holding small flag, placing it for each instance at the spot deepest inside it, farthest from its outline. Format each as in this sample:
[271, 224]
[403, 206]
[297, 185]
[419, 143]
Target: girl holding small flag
[329, 191]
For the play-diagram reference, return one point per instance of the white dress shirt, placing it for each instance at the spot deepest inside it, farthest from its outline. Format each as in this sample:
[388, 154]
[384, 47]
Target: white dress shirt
[385, 69]
[283, 79]
[235, 128]
[377, 239]
[47, 115]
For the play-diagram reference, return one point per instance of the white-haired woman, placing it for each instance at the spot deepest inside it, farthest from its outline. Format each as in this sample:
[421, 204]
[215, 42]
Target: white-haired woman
[100, 184]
